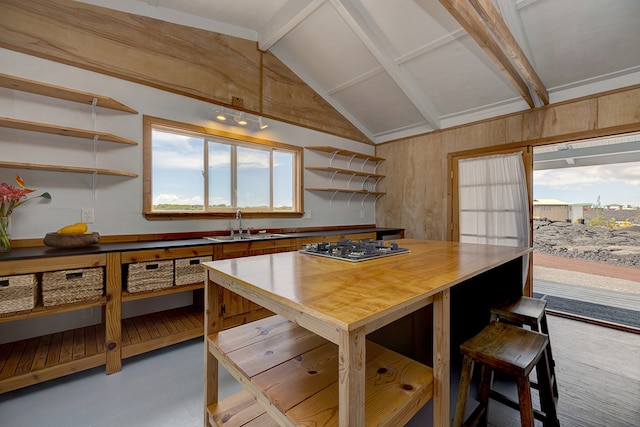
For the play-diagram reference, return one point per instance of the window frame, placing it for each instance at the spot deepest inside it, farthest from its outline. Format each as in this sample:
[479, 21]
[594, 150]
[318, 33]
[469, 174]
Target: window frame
[150, 123]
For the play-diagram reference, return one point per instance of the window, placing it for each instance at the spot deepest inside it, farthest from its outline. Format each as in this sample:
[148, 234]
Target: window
[194, 172]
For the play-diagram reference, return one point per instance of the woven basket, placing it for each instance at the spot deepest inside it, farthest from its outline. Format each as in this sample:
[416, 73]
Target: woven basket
[18, 293]
[149, 275]
[70, 286]
[189, 270]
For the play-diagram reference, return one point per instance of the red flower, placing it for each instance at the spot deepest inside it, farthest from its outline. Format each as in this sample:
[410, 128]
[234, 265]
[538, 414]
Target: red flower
[11, 197]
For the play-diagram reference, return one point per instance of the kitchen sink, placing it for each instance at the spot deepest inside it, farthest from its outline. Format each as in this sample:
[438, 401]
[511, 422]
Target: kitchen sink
[245, 237]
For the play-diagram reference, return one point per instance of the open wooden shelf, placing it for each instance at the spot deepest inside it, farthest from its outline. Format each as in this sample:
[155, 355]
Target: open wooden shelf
[347, 153]
[60, 168]
[156, 330]
[31, 361]
[128, 296]
[40, 310]
[244, 410]
[293, 374]
[62, 130]
[345, 190]
[59, 92]
[344, 171]
[352, 172]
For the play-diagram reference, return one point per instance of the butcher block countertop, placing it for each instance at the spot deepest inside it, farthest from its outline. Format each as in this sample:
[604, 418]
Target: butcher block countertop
[341, 302]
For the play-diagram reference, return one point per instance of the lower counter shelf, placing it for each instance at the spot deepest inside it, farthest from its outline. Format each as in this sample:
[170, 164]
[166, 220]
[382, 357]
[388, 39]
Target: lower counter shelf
[156, 330]
[293, 375]
[34, 360]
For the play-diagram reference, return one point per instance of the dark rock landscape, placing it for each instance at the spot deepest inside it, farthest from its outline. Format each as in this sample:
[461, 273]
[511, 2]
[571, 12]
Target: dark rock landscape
[615, 246]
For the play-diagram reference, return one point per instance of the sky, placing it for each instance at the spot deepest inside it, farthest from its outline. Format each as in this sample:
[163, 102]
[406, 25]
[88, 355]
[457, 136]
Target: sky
[178, 163]
[615, 184]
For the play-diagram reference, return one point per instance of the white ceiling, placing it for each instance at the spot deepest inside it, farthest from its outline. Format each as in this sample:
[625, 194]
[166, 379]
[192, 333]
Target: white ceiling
[404, 67]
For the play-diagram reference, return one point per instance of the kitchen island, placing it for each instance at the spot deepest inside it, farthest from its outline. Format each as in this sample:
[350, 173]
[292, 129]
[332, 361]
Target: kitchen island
[294, 363]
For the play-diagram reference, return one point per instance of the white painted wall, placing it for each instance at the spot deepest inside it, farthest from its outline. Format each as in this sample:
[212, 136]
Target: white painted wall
[118, 201]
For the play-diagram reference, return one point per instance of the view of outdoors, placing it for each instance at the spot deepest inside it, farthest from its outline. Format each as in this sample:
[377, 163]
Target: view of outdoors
[238, 176]
[587, 237]
[612, 185]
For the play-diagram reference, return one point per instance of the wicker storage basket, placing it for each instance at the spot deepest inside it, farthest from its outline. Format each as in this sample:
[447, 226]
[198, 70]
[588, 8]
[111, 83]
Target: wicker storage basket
[18, 293]
[69, 286]
[149, 275]
[189, 270]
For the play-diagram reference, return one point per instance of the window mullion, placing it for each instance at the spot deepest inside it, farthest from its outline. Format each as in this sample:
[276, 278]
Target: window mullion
[271, 179]
[234, 176]
[205, 174]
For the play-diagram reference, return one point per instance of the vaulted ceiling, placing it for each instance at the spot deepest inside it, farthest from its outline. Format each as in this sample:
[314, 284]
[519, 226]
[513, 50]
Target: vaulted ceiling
[405, 67]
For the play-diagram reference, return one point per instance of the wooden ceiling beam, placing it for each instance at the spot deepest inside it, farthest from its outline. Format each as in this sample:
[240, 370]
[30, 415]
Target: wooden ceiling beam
[467, 18]
[500, 30]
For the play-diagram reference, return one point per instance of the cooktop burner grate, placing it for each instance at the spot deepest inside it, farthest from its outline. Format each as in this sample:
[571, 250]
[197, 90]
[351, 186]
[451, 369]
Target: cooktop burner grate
[354, 251]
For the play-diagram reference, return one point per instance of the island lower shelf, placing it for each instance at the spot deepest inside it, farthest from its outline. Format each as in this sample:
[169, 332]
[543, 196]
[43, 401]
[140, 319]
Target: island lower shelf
[291, 376]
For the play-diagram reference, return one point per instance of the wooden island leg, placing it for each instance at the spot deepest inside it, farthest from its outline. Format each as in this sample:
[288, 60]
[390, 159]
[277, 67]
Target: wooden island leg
[351, 377]
[441, 357]
[212, 324]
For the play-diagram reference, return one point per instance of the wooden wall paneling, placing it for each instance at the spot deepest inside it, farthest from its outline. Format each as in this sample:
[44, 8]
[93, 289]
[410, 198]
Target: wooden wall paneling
[559, 119]
[474, 136]
[414, 188]
[606, 114]
[619, 108]
[192, 62]
[179, 59]
[287, 97]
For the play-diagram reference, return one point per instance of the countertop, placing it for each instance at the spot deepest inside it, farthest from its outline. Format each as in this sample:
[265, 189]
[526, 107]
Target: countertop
[45, 251]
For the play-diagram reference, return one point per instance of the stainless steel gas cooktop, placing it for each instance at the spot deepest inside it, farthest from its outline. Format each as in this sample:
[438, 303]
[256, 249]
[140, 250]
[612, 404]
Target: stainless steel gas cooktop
[355, 251]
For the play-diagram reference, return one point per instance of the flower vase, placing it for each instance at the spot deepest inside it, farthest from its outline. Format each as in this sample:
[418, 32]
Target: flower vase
[5, 233]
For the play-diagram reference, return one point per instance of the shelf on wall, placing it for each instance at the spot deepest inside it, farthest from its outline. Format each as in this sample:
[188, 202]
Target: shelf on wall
[347, 153]
[344, 190]
[59, 92]
[344, 171]
[60, 168]
[63, 131]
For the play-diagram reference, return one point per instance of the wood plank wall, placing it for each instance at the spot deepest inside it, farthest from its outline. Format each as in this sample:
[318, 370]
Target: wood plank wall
[417, 171]
[201, 64]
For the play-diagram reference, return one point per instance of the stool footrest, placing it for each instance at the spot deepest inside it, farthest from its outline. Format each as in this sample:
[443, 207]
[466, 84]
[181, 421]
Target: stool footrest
[499, 397]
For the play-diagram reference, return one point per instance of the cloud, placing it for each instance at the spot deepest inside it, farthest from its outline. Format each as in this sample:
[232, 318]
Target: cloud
[177, 151]
[177, 200]
[625, 174]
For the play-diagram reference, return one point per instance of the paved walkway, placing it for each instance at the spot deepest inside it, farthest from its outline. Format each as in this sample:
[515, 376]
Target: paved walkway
[584, 266]
[590, 281]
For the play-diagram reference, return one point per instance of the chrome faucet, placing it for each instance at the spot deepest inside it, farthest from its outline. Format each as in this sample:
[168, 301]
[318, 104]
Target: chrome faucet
[239, 219]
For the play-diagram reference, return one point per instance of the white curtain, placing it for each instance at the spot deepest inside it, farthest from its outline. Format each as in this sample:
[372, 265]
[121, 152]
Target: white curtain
[493, 201]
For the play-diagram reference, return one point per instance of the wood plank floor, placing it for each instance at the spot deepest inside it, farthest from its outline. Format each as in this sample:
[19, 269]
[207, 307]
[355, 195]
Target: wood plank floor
[598, 377]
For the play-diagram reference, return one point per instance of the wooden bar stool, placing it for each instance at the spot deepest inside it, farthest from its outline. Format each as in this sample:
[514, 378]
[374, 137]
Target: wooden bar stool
[532, 313]
[513, 351]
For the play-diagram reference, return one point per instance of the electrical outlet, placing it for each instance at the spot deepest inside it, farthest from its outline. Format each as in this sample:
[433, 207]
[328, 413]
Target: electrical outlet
[306, 215]
[87, 215]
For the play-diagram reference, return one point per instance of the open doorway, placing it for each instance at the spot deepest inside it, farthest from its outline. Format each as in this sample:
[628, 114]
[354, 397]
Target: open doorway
[586, 220]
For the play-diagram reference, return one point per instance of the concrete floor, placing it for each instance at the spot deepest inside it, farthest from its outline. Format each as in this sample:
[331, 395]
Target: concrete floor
[163, 388]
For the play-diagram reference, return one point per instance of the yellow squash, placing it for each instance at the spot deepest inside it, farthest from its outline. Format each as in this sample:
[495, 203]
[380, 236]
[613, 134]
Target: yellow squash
[77, 228]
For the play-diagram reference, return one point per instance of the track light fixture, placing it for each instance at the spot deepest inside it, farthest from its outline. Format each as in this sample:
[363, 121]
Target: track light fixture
[263, 124]
[240, 118]
[220, 115]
